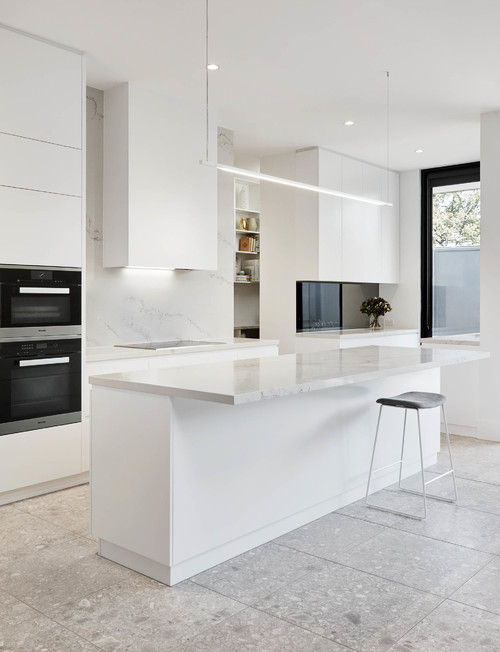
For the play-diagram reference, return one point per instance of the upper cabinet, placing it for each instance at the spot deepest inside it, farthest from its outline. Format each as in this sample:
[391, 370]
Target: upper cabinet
[41, 90]
[41, 153]
[160, 204]
[341, 239]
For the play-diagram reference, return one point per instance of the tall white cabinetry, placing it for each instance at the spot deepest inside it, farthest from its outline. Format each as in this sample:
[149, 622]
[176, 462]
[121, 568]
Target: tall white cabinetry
[40, 152]
[160, 204]
[341, 239]
[42, 157]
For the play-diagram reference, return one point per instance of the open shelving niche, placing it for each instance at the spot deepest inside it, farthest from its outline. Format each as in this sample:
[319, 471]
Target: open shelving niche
[246, 293]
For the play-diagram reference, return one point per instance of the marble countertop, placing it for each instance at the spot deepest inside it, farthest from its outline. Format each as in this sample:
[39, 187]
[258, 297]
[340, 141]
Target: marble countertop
[465, 339]
[246, 381]
[99, 353]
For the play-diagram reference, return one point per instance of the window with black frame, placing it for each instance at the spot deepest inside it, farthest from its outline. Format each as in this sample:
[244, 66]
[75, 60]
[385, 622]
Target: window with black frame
[451, 229]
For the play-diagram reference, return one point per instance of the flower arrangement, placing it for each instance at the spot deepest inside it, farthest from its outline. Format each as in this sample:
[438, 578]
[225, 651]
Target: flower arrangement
[375, 307]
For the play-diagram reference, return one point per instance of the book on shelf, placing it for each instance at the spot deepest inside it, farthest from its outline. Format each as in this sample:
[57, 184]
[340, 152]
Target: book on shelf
[249, 244]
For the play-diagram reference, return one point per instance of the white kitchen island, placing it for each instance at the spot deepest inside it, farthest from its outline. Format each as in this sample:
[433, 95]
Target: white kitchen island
[194, 465]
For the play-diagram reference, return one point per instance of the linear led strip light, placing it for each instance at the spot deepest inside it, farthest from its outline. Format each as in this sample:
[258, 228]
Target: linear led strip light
[241, 172]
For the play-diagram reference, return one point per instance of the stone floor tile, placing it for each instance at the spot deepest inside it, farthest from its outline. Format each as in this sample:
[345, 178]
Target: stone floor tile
[329, 536]
[40, 634]
[143, 615]
[68, 508]
[482, 590]
[57, 574]
[353, 608]
[13, 610]
[257, 572]
[255, 631]
[472, 458]
[21, 533]
[445, 521]
[416, 561]
[453, 627]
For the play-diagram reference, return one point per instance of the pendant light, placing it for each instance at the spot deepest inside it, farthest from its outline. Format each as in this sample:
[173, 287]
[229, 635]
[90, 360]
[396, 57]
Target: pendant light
[260, 176]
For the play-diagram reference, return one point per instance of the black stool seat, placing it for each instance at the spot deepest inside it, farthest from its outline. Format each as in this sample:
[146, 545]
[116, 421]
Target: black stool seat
[414, 400]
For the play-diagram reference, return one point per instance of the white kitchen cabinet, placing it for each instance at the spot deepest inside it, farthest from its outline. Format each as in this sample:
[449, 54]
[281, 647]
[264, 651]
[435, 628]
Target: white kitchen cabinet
[35, 165]
[40, 228]
[340, 239]
[160, 204]
[38, 456]
[41, 90]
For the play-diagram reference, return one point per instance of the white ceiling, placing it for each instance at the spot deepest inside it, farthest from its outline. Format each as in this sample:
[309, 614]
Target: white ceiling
[292, 71]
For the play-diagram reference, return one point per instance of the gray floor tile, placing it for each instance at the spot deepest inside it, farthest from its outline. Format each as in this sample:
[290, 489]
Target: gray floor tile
[22, 533]
[143, 615]
[482, 590]
[13, 610]
[329, 536]
[416, 561]
[445, 521]
[474, 494]
[472, 458]
[68, 508]
[353, 608]
[255, 573]
[57, 574]
[453, 627]
[40, 634]
[255, 631]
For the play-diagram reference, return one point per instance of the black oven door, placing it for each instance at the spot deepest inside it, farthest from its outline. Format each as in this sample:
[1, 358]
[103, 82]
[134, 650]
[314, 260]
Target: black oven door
[40, 384]
[35, 302]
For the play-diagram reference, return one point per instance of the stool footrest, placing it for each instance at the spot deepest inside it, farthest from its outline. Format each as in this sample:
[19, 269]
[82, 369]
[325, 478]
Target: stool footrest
[387, 466]
[439, 476]
[419, 493]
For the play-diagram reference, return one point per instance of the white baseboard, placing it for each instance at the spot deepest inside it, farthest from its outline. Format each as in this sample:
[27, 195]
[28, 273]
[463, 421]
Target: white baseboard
[43, 488]
[464, 431]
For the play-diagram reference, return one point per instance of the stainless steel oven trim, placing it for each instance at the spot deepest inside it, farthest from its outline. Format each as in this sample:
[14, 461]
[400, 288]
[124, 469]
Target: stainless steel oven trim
[40, 422]
[54, 332]
[41, 362]
[54, 269]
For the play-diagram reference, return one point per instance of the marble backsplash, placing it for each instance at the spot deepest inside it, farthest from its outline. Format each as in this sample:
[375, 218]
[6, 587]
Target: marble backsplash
[132, 305]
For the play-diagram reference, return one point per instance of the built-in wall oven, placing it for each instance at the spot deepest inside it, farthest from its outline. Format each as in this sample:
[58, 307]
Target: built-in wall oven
[40, 384]
[39, 302]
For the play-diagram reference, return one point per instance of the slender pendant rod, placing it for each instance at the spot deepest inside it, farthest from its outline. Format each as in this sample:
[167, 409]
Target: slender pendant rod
[241, 172]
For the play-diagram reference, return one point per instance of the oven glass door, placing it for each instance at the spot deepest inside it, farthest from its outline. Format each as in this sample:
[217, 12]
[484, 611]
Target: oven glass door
[24, 306]
[32, 389]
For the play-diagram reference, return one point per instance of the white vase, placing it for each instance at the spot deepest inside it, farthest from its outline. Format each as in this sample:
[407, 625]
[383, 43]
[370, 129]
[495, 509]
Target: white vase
[252, 224]
[243, 198]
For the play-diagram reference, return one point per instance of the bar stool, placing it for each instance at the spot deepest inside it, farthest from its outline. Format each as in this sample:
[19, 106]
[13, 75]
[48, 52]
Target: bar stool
[413, 401]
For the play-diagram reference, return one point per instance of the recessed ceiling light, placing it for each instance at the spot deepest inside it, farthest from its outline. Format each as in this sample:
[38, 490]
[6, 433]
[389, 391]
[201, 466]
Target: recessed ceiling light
[212, 66]
[419, 151]
[348, 123]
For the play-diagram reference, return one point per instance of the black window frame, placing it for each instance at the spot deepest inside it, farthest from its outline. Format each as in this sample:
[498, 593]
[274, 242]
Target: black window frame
[430, 179]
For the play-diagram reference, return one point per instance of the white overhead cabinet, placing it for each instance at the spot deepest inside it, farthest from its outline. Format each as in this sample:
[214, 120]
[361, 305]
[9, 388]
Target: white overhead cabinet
[341, 239]
[40, 152]
[160, 204]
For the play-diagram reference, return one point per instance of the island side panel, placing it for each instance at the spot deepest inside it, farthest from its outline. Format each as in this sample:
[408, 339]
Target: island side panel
[131, 478]
[245, 474]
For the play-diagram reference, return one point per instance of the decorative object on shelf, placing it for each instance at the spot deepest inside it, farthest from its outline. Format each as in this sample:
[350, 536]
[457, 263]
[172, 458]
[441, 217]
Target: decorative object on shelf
[243, 224]
[248, 244]
[243, 198]
[375, 307]
[242, 277]
[252, 224]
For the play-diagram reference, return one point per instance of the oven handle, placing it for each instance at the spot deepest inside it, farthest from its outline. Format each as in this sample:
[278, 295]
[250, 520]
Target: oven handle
[43, 361]
[43, 290]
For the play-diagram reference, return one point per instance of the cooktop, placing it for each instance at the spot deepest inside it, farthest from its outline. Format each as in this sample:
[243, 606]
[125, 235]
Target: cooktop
[173, 344]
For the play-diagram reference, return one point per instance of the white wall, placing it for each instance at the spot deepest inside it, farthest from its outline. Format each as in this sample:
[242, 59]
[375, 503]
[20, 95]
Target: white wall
[405, 296]
[131, 305]
[489, 371]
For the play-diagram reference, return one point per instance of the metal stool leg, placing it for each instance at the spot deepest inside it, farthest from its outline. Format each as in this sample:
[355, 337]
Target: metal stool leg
[402, 450]
[441, 475]
[373, 455]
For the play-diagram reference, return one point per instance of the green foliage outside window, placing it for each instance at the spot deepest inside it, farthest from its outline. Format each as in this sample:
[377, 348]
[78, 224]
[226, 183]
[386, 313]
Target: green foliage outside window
[456, 218]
